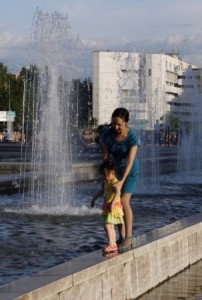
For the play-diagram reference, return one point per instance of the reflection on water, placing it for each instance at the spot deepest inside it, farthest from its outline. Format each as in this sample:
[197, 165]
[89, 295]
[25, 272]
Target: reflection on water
[37, 238]
[185, 285]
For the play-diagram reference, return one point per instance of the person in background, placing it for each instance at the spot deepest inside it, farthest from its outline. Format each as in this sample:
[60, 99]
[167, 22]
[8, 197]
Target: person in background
[157, 132]
[6, 136]
[112, 207]
[121, 143]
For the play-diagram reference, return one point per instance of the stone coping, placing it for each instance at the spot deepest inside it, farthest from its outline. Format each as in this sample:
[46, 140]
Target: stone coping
[10, 176]
[65, 275]
[167, 230]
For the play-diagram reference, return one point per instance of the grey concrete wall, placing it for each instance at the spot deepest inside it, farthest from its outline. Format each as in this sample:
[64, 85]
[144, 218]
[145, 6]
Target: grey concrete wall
[83, 171]
[10, 176]
[156, 256]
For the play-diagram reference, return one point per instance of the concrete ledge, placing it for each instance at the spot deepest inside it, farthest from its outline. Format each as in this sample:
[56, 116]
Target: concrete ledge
[156, 256]
[11, 178]
[16, 174]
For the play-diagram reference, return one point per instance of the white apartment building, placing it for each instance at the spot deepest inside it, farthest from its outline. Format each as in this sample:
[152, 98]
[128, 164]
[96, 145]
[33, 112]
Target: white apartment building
[148, 85]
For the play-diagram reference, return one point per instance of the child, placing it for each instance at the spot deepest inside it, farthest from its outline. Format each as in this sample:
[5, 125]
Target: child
[112, 207]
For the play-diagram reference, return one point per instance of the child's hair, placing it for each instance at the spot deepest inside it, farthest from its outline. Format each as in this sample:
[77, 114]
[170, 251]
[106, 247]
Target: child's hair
[107, 165]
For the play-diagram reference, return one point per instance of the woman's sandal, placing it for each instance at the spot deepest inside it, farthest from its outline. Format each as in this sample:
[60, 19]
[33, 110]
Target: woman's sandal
[124, 248]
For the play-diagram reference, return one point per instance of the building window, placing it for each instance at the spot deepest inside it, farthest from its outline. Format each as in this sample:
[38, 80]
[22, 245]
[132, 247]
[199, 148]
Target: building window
[129, 93]
[149, 72]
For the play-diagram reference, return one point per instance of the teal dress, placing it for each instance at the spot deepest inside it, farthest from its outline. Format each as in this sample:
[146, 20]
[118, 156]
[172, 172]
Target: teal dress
[119, 151]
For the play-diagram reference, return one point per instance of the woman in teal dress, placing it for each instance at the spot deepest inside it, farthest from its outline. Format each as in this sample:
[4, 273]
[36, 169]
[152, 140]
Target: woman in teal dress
[120, 143]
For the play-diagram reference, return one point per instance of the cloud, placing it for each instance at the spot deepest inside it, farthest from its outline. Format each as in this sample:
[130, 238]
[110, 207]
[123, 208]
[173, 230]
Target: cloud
[189, 47]
[14, 49]
[183, 25]
[7, 40]
[86, 43]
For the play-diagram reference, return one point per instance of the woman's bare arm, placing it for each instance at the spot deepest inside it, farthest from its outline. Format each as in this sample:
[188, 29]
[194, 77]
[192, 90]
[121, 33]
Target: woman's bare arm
[129, 163]
[105, 150]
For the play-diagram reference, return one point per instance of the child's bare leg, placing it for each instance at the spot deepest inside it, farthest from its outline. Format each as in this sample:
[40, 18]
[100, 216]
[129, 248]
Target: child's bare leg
[111, 233]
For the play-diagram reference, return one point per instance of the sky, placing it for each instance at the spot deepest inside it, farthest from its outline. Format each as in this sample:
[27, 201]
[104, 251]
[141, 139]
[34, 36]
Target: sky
[150, 26]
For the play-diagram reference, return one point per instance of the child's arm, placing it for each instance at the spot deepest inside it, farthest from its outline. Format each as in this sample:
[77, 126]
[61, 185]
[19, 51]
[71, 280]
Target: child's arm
[97, 195]
[116, 195]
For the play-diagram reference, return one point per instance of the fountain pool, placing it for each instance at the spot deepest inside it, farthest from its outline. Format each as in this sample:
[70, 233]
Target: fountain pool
[36, 238]
[53, 223]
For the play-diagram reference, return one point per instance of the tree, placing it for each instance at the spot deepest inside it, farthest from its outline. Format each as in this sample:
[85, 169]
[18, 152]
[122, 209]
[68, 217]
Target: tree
[19, 93]
[3, 88]
[80, 102]
[93, 122]
[173, 122]
[11, 91]
[85, 108]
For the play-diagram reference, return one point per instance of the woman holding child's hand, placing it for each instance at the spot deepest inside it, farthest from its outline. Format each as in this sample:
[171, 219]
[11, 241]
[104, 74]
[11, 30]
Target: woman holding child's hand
[121, 144]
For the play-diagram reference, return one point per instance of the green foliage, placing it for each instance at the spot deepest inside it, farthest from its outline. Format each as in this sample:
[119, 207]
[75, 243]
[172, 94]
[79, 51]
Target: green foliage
[81, 103]
[93, 122]
[173, 122]
[18, 93]
[11, 91]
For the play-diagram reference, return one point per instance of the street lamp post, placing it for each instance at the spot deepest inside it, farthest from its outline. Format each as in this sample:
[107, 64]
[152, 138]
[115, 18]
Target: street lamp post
[23, 108]
[9, 121]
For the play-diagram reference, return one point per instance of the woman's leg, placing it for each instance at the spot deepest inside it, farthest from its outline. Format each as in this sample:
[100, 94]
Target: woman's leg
[128, 217]
[121, 230]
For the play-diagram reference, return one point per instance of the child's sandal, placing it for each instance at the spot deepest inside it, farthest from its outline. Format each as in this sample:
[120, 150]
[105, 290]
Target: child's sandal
[110, 248]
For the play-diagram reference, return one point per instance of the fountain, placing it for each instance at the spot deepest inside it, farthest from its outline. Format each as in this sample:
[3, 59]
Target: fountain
[190, 137]
[48, 111]
[52, 222]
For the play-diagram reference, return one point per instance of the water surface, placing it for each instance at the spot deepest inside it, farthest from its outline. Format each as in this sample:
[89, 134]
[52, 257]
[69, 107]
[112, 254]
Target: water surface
[34, 237]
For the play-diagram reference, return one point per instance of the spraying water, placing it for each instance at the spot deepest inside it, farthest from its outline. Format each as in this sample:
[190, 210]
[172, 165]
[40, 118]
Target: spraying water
[53, 237]
[48, 111]
[190, 137]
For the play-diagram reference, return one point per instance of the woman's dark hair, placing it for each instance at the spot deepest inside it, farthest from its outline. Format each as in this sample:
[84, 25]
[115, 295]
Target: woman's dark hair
[108, 165]
[122, 113]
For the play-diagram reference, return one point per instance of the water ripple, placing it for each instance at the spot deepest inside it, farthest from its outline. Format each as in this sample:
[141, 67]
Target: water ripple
[31, 234]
